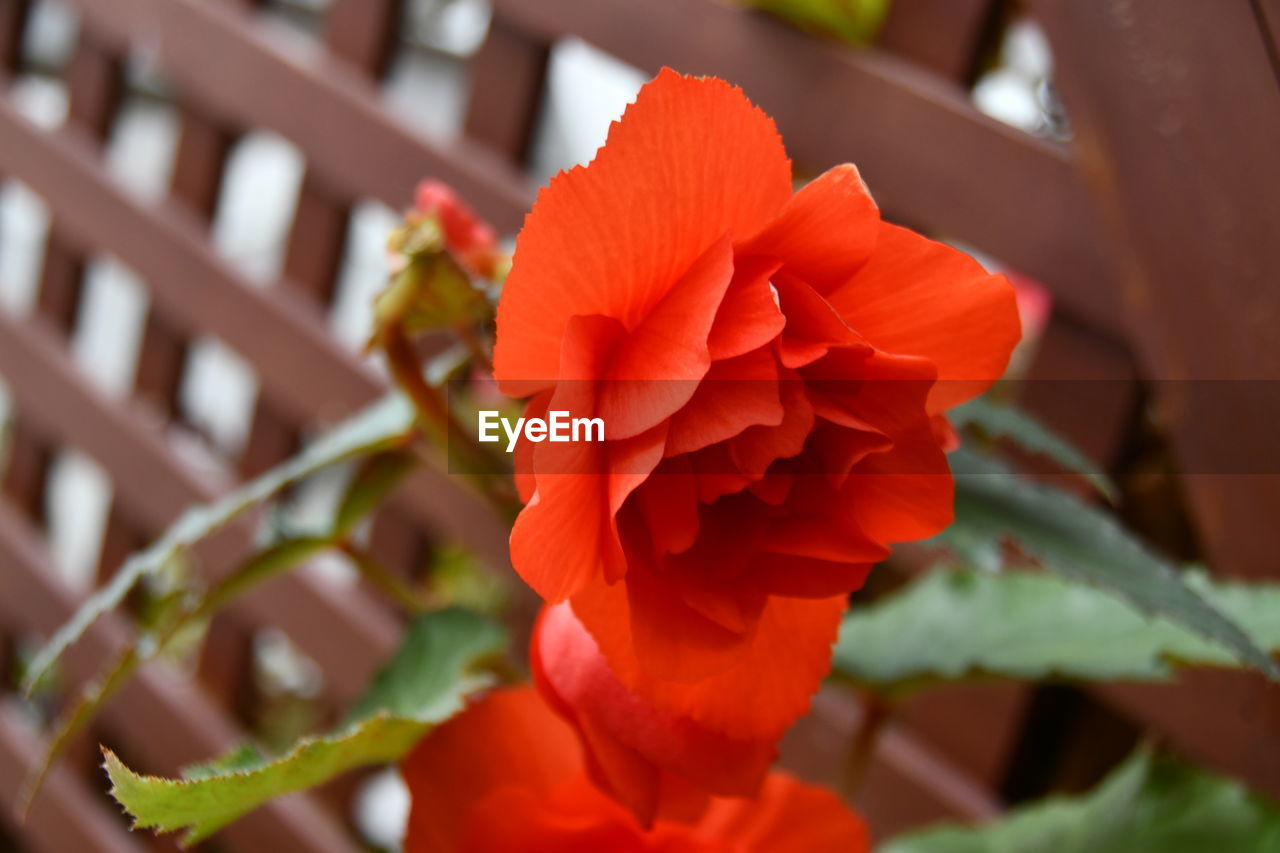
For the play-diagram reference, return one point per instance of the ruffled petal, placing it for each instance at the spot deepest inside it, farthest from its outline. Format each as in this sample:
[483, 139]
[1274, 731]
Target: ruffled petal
[903, 495]
[691, 160]
[826, 232]
[657, 365]
[807, 577]
[766, 686]
[813, 325]
[522, 456]
[508, 739]
[749, 316]
[922, 298]
[634, 746]
[668, 503]
[788, 817]
[755, 449]
[737, 394]
[565, 535]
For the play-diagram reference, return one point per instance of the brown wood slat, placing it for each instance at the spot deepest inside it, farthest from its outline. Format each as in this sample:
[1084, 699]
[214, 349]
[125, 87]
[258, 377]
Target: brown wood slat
[508, 76]
[67, 816]
[364, 34]
[13, 23]
[313, 255]
[929, 156]
[121, 537]
[94, 85]
[941, 35]
[201, 154]
[1227, 720]
[94, 82]
[61, 276]
[1268, 12]
[202, 151]
[975, 726]
[908, 784]
[278, 330]
[219, 57]
[1074, 362]
[27, 462]
[1177, 117]
[166, 721]
[274, 328]
[342, 629]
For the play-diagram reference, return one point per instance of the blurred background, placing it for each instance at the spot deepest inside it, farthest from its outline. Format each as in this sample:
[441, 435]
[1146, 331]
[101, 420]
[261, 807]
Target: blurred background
[195, 197]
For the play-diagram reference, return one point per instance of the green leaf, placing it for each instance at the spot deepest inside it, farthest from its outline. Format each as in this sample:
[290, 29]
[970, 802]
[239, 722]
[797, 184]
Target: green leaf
[415, 684]
[996, 420]
[1081, 543]
[951, 625]
[381, 425]
[1147, 805]
[853, 21]
[424, 683]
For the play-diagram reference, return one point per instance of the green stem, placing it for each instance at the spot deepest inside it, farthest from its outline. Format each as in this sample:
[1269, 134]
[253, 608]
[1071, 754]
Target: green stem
[378, 575]
[490, 475]
[475, 346]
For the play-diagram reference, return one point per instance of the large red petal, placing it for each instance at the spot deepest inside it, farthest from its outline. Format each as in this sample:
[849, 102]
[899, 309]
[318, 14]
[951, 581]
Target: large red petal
[566, 535]
[507, 739]
[825, 233]
[813, 325]
[903, 495]
[757, 448]
[690, 161]
[919, 297]
[656, 367]
[749, 316]
[668, 503]
[737, 393]
[522, 457]
[806, 577]
[633, 744]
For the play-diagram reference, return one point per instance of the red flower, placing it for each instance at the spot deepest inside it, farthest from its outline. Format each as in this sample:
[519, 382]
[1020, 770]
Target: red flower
[651, 760]
[771, 369]
[470, 239]
[505, 776]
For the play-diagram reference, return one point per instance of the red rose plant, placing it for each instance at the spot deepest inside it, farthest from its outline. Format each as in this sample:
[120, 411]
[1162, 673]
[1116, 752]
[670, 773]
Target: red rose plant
[771, 369]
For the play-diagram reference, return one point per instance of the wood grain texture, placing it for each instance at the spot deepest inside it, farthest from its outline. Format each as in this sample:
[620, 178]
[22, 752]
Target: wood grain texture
[1177, 118]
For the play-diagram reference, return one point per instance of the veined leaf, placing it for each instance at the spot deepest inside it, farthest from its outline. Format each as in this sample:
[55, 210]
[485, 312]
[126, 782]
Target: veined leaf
[424, 683]
[207, 803]
[951, 625]
[381, 425]
[1079, 542]
[1000, 421]
[1147, 805]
